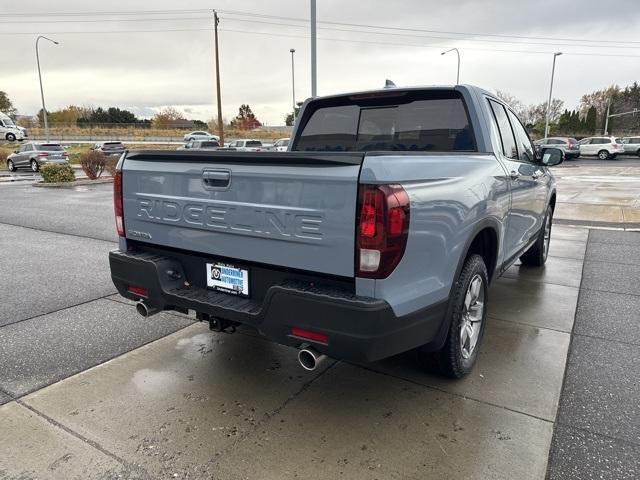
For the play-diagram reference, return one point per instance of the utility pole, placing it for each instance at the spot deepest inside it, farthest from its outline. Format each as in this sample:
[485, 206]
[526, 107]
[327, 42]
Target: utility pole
[314, 72]
[553, 71]
[293, 84]
[216, 21]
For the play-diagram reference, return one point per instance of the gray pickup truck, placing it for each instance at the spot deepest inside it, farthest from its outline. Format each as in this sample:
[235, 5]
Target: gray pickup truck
[377, 233]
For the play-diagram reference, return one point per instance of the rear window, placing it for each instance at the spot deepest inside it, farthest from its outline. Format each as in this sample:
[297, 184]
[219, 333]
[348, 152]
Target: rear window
[253, 143]
[429, 121]
[50, 148]
[112, 144]
[209, 144]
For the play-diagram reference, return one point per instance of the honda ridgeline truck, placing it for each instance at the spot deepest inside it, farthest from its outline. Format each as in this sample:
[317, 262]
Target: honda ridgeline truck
[378, 232]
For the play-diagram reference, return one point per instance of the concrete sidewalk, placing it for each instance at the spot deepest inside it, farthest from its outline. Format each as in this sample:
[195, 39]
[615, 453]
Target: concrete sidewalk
[197, 404]
[597, 432]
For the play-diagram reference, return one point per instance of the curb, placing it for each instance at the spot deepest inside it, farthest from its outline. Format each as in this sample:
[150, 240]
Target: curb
[73, 184]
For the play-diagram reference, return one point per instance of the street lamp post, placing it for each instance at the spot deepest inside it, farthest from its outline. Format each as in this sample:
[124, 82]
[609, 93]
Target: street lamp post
[553, 71]
[293, 84]
[314, 70]
[458, 53]
[44, 109]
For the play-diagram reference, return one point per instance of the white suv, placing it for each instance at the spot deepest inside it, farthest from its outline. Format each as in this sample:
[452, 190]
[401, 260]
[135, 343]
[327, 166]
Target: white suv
[603, 147]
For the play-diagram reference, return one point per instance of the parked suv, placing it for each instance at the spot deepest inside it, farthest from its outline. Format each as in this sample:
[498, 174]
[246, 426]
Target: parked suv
[378, 232]
[200, 145]
[603, 147]
[246, 145]
[33, 155]
[631, 145]
[568, 145]
[109, 148]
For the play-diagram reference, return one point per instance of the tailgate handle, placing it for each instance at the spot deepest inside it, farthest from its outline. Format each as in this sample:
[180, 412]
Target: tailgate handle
[216, 178]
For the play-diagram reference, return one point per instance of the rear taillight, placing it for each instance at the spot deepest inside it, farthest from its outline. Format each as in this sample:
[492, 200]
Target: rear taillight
[65, 154]
[117, 203]
[383, 228]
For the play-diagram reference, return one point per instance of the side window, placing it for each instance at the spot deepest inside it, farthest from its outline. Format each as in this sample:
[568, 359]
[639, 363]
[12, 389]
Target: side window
[525, 148]
[506, 134]
[635, 140]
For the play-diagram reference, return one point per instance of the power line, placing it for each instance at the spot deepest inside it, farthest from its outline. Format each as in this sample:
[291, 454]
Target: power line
[298, 19]
[273, 34]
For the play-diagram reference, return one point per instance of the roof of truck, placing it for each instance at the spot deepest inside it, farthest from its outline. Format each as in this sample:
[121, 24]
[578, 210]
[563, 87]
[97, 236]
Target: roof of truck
[412, 87]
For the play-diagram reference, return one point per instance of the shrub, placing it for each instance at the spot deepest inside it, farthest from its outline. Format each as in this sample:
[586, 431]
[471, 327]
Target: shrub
[110, 164]
[54, 173]
[93, 163]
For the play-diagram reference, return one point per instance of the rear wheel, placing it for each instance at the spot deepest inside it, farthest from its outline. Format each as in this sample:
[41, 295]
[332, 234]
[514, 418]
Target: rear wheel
[638, 152]
[34, 166]
[11, 137]
[10, 166]
[467, 321]
[537, 254]
[603, 155]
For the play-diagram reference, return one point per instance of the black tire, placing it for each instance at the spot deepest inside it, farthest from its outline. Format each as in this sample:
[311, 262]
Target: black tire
[638, 152]
[34, 166]
[454, 360]
[537, 254]
[604, 155]
[10, 137]
[11, 166]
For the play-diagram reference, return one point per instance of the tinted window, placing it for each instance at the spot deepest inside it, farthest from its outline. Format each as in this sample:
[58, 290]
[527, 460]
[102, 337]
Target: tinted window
[284, 143]
[525, 148]
[506, 134]
[50, 148]
[253, 143]
[404, 121]
[635, 140]
[556, 142]
[209, 144]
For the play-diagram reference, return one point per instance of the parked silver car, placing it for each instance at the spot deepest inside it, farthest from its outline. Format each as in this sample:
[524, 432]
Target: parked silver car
[568, 145]
[200, 145]
[200, 135]
[33, 155]
[631, 145]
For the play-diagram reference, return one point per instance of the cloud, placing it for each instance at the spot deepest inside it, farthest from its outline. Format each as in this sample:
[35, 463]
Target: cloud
[145, 71]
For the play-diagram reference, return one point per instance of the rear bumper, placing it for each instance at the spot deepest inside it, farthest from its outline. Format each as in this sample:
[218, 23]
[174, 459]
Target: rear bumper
[359, 329]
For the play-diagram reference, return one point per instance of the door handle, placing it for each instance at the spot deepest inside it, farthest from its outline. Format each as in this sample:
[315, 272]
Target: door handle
[216, 178]
[514, 175]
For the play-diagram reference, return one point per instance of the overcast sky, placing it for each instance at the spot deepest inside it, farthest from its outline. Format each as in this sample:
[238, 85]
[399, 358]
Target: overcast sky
[144, 71]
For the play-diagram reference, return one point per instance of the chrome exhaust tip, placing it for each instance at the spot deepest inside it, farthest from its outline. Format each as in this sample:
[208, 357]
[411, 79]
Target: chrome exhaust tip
[146, 310]
[310, 358]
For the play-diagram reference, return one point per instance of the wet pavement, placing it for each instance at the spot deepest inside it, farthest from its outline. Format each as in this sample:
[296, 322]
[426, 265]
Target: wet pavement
[599, 194]
[91, 390]
[198, 404]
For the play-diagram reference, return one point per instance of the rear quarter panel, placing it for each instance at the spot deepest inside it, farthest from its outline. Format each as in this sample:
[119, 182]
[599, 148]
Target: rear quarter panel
[451, 197]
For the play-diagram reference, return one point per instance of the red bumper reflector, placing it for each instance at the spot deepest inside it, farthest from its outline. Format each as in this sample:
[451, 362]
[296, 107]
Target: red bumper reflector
[139, 291]
[309, 335]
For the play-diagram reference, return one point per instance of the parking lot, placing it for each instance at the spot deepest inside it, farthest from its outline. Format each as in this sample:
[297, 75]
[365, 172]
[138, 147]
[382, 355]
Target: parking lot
[92, 390]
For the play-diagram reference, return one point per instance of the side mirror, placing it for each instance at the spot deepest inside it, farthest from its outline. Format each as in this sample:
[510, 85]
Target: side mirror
[550, 157]
[15, 151]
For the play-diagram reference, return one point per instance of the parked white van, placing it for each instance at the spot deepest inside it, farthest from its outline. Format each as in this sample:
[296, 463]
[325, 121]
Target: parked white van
[8, 130]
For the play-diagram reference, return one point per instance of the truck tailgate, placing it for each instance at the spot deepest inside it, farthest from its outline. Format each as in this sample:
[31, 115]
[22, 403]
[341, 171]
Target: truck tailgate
[288, 209]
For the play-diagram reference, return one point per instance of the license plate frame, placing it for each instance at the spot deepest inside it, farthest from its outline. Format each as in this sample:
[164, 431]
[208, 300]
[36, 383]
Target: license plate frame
[227, 278]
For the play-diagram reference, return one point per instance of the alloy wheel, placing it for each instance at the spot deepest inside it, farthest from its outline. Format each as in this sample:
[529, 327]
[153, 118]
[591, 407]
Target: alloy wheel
[472, 316]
